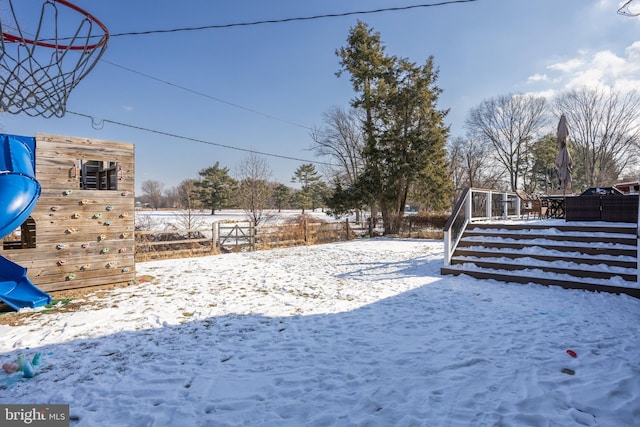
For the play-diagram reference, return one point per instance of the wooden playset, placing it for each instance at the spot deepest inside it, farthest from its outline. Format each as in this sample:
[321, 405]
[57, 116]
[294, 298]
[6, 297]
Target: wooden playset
[81, 230]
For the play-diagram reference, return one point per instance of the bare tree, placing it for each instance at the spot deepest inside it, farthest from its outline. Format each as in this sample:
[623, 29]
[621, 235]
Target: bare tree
[510, 123]
[153, 191]
[604, 132]
[255, 191]
[471, 164]
[341, 141]
[190, 203]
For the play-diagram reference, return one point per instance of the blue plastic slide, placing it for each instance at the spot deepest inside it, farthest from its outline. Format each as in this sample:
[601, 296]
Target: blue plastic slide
[19, 192]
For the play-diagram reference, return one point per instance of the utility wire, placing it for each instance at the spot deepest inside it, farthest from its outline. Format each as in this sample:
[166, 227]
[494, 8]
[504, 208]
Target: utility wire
[95, 123]
[195, 92]
[282, 20]
[258, 23]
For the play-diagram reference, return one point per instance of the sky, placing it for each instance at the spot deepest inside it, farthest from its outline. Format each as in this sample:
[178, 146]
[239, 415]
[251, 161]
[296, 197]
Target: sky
[189, 99]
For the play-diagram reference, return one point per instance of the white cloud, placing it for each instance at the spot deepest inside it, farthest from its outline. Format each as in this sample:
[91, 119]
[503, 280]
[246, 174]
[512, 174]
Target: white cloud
[598, 69]
[127, 108]
[538, 78]
[567, 66]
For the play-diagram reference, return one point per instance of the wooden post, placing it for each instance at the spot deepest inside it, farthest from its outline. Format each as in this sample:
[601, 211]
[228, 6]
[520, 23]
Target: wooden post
[213, 237]
[346, 223]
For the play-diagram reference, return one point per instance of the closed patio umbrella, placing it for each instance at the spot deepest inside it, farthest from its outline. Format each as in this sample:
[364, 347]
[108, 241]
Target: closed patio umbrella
[563, 159]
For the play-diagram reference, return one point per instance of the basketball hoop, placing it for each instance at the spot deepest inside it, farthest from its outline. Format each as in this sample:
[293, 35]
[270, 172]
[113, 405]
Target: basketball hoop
[41, 64]
[624, 10]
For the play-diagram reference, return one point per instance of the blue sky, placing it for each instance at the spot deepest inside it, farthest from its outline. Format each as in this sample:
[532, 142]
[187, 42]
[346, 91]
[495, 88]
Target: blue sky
[283, 75]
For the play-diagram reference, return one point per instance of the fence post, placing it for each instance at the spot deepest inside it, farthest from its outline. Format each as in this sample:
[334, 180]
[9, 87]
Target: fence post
[305, 231]
[346, 223]
[213, 237]
[217, 234]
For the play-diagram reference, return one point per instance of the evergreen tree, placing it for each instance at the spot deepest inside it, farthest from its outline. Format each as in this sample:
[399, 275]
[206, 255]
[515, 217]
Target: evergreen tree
[215, 187]
[405, 134]
[543, 173]
[307, 176]
[281, 196]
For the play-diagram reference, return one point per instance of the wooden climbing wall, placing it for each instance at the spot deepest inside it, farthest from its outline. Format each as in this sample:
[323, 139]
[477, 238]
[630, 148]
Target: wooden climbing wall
[81, 232]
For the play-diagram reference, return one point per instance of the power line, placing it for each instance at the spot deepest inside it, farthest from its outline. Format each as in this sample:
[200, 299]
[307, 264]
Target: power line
[283, 20]
[98, 123]
[195, 92]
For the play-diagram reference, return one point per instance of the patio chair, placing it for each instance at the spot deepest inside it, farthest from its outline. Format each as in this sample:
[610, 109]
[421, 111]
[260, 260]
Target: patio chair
[526, 203]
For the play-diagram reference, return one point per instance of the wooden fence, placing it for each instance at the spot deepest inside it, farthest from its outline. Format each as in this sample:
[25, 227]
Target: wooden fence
[244, 236]
[241, 236]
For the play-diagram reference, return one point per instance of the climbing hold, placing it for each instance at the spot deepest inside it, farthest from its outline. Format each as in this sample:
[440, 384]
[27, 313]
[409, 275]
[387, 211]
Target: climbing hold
[124, 215]
[124, 193]
[111, 264]
[61, 262]
[71, 276]
[105, 250]
[97, 215]
[122, 250]
[84, 245]
[55, 208]
[59, 246]
[67, 192]
[107, 223]
[85, 267]
[572, 353]
[124, 235]
[109, 208]
[84, 202]
[102, 237]
[568, 371]
[70, 230]
[75, 215]
[125, 269]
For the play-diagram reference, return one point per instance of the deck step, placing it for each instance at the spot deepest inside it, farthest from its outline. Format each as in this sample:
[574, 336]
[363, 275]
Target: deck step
[573, 270]
[589, 250]
[581, 238]
[597, 257]
[567, 284]
[464, 252]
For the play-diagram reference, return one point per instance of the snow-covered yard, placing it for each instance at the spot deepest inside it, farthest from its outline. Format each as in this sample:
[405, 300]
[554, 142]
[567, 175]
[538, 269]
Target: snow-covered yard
[365, 332]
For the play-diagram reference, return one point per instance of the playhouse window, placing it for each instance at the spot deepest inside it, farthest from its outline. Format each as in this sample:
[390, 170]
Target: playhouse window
[98, 175]
[21, 238]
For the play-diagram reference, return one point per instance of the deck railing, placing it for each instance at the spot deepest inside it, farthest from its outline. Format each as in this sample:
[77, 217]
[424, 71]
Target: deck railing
[638, 241]
[477, 204]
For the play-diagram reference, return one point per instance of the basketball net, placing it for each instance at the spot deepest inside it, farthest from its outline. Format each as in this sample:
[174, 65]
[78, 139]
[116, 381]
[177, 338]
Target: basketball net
[624, 10]
[42, 60]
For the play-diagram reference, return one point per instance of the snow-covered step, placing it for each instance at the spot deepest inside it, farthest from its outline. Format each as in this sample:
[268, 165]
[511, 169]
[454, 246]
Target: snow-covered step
[540, 278]
[549, 255]
[576, 269]
[594, 247]
[594, 256]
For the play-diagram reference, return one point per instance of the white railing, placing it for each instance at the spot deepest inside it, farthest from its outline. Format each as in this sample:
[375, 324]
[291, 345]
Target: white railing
[477, 204]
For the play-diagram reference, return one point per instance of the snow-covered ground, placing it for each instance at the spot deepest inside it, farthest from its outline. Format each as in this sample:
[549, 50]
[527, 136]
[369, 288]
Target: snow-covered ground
[356, 333]
[157, 219]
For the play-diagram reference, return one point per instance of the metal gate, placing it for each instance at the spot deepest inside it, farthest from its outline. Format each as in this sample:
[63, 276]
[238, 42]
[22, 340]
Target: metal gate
[237, 236]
